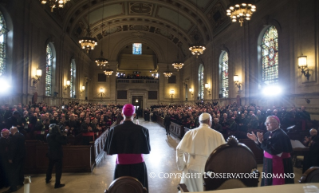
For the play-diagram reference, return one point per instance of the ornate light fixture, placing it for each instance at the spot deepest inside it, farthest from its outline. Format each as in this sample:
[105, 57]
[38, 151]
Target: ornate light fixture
[178, 65]
[108, 71]
[101, 61]
[241, 11]
[88, 43]
[55, 3]
[168, 74]
[197, 49]
[302, 64]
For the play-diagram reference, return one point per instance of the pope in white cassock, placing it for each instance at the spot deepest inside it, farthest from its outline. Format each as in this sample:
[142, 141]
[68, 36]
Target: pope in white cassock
[193, 150]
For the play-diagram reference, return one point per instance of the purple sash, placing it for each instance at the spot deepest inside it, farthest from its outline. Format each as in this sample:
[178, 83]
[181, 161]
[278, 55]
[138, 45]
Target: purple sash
[277, 167]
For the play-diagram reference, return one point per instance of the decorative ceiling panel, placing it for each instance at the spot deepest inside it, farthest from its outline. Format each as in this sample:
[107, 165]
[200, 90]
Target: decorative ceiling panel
[109, 11]
[141, 8]
[172, 16]
[201, 3]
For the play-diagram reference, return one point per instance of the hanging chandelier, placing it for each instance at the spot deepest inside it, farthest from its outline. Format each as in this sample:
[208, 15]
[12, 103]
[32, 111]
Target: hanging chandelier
[88, 43]
[197, 50]
[108, 72]
[55, 3]
[168, 74]
[241, 11]
[101, 62]
[178, 65]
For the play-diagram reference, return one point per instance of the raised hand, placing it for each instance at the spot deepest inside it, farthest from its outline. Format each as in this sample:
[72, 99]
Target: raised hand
[252, 136]
[260, 137]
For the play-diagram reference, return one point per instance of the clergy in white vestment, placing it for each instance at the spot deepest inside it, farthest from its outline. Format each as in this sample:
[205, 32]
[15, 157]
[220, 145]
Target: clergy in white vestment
[193, 150]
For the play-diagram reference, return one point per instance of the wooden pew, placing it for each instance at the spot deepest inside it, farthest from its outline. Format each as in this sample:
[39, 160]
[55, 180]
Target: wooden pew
[76, 158]
[177, 130]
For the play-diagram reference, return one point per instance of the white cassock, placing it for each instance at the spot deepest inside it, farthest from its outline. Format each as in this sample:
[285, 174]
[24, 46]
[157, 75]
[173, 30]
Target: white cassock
[197, 144]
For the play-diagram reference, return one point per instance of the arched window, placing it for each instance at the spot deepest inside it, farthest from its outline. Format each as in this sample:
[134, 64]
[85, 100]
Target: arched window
[223, 67]
[3, 38]
[72, 80]
[49, 67]
[269, 53]
[201, 82]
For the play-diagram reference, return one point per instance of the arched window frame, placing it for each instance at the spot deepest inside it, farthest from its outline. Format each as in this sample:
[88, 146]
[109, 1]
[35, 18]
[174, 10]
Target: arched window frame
[201, 84]
[3, 44]
[224, 78]
[269, 53]
[72, 79]
[49, 68]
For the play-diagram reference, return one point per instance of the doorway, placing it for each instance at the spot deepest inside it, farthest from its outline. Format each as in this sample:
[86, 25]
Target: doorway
[137, 101]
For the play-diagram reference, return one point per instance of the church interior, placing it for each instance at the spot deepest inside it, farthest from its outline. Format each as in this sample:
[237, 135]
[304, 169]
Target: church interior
[158, 54]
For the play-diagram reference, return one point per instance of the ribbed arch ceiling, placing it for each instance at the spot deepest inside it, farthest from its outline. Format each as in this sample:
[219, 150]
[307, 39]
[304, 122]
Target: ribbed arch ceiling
[162, 13]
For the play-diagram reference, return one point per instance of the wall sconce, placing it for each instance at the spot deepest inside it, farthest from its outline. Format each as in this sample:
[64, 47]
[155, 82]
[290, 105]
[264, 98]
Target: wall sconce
[207, 86]
[82, 89]
[101, 91]
[236, 81]
[191, 90]
[302, 63]
[37, 77]
[136, 101]
[68, 83]
[172, 92]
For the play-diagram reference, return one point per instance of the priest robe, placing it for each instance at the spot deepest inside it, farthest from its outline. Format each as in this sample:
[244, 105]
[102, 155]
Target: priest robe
[129, 141]
[197, 144]
[277, 148]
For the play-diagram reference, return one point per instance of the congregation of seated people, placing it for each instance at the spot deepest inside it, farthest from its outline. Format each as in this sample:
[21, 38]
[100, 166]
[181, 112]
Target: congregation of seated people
[233, 119]
[33, 120]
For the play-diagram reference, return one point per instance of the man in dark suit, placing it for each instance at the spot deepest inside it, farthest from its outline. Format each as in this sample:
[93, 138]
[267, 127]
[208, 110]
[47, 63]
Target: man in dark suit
[17, 155]
[55, 141]
[167, 123]
[4, 160]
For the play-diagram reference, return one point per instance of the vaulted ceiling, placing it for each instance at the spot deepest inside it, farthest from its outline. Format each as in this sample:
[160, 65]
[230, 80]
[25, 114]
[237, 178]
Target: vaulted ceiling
[184, 22]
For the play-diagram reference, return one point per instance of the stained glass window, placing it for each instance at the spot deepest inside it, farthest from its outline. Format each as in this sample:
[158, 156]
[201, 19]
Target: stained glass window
[201, 82]
[270, 56]
[224, 74]
[3, 33]
[48, 70]
[137, 48]
[72, 80]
